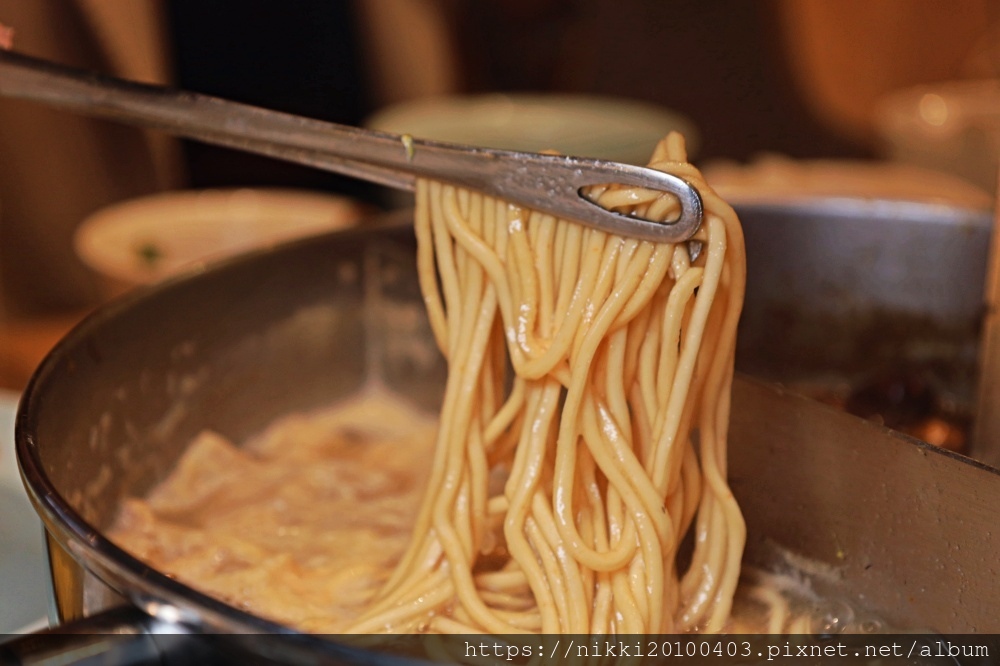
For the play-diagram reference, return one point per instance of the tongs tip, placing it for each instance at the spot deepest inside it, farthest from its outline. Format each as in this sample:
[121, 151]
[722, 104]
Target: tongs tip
[576, 179]
[679, 229]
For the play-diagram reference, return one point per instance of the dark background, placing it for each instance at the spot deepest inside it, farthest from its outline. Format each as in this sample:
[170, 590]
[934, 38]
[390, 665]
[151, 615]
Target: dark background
[717, 61]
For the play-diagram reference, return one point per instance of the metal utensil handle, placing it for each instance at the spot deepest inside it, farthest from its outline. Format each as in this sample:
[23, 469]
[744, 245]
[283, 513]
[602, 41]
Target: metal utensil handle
[549, 183]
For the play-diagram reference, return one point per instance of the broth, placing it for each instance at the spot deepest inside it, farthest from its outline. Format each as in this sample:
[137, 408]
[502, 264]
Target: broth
[300, 525]
[304, 523]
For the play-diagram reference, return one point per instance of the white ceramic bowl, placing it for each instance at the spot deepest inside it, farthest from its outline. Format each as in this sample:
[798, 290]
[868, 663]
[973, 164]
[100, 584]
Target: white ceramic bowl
[144, 240]
[586, 126]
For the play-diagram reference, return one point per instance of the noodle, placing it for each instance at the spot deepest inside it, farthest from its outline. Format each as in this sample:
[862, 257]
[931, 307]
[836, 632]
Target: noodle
[560, 497]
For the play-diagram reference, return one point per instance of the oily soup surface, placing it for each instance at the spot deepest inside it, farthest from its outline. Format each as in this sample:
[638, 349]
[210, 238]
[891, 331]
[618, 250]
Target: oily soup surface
[302, 524]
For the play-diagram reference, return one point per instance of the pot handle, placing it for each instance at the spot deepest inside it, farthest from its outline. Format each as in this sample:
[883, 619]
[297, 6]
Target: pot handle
[123, 636]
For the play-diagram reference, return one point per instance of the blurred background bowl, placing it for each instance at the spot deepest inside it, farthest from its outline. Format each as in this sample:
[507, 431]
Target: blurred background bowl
[144, 240]
[607, 128]
[778, 179]
[951, 126]
[586, 126]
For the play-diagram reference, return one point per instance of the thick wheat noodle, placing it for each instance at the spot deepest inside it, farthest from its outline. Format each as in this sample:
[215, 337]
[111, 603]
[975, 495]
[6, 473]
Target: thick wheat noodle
[559, 498]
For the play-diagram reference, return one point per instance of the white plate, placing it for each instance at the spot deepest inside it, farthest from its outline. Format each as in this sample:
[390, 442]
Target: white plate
[23, 571]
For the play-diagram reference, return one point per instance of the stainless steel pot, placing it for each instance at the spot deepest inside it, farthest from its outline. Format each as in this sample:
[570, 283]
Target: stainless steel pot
[844, 293]
[113, 406]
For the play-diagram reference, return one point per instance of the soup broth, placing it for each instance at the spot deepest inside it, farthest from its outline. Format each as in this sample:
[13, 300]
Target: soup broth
[304, 523]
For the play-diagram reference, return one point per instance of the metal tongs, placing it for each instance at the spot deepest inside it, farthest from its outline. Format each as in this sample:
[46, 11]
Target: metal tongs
[551, 183]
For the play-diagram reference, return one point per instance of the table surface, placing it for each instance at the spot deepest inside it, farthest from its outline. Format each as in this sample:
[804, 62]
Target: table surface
[23, 568]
